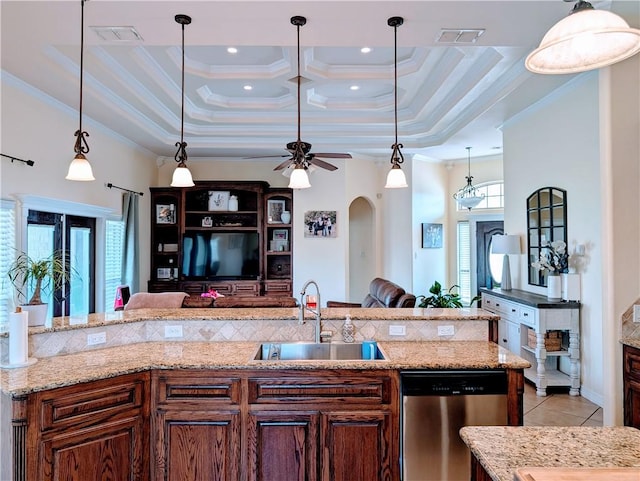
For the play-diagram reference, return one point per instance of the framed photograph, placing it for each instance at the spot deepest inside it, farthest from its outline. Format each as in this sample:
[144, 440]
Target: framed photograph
[321, 224]
[165, 214]
[278, 245]
[280, 234]
[218, 200]
[207, 222]
[275, 208]
[431, 236]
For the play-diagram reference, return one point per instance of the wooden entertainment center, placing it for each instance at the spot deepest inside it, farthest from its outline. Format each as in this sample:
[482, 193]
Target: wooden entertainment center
[232, 236]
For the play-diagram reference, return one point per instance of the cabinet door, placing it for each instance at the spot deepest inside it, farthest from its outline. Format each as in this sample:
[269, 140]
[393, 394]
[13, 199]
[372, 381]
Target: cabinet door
[283, 446]
[114, 451]
[197, 446]
[513, 335]
[356, 445]
[632, 387]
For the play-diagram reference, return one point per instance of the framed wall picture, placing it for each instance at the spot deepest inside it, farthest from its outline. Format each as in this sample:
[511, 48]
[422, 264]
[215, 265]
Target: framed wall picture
[275, 208]
[431, 236]
[165, 214]
[321, 224]
[218, 200]
[280, 234]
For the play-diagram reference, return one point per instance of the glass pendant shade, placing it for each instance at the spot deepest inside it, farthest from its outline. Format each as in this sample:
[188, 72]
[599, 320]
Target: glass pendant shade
[469, 201]
[396, 178]
[80, 169]
[182, 177]
[587, 39]
[468, 197]
[299, 179]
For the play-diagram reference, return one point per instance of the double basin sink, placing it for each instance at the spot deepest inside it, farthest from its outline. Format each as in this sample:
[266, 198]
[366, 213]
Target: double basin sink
[299, 351]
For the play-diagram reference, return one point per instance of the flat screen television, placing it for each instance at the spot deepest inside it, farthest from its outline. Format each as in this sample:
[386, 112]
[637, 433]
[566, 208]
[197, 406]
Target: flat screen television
[221, 255]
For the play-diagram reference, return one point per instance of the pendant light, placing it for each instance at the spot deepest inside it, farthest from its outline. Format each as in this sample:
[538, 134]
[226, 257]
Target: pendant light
[587, 39]
[182, 176]
[396, 178]
[299, 178]
[468, 196]
[80, 168]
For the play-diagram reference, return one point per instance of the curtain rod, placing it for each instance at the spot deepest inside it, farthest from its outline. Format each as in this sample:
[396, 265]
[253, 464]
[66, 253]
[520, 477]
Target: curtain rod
[112, 186]
[28, 162]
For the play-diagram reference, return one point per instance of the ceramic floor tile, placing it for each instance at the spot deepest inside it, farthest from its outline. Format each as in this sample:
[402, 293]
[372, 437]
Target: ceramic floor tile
[574, 405]
[548, 417]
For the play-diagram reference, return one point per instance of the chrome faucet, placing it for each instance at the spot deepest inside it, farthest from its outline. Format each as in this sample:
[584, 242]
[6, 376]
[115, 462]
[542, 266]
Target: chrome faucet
[303, 306]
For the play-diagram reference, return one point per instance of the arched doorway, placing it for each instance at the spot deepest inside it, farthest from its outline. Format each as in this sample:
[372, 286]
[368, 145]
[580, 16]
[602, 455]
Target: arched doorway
[362, 261]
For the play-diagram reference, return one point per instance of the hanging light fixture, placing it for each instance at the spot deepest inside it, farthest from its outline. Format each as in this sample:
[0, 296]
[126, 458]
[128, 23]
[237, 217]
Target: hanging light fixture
[468, 196]
[182, 176]
[396, 178]
[80, 168]
[587, 39]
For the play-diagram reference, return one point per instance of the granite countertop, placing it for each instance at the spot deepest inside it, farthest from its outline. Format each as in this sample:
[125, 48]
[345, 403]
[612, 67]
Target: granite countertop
[276, 313]
[631, 341]
[502, 449]
[70, 369]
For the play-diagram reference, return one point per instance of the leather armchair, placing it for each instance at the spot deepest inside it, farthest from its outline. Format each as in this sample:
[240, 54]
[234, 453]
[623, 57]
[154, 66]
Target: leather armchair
[382, 293]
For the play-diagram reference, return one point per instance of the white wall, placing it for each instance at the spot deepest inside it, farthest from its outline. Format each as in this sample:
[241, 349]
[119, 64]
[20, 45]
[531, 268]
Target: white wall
[35, 127]
[556, 143]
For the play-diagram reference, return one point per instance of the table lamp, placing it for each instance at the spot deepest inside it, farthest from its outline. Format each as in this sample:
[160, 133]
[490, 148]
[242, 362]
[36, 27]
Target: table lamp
[505, 244]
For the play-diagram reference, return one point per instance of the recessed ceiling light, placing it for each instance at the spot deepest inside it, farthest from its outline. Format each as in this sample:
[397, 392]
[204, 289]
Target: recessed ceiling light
[365, 49]
[232, 50]
[247, 87]
[355, 87]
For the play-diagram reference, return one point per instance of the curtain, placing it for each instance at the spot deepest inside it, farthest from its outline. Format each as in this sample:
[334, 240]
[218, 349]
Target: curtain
[131, 252]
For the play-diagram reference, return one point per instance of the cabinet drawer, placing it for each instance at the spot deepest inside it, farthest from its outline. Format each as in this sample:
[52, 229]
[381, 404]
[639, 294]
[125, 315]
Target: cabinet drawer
[343, 389]
[191, 388]
[527, 315]
[91, 403]
[489, 303]
[632, 362]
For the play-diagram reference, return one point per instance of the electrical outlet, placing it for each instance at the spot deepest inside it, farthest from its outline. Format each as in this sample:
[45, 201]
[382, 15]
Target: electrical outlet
[173, 331]
[96, 338]
[397, 331]
[636, 313]
[446, 331]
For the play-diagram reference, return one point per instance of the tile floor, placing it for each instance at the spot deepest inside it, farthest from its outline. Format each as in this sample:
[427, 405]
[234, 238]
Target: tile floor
[559, 409]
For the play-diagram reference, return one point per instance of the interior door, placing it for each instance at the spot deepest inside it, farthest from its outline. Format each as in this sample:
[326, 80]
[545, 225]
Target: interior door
[485, 275]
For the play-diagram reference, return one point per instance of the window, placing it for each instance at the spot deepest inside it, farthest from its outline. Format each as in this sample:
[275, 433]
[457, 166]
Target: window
[114, 246]
[493, 196]
[464, 261]
[7, 254]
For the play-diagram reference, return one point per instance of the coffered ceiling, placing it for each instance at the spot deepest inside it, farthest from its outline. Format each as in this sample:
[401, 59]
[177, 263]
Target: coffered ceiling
[451, 95]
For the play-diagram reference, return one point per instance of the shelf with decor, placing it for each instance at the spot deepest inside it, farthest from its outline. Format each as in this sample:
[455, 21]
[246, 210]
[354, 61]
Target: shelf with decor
[166, 207]
[278, 242]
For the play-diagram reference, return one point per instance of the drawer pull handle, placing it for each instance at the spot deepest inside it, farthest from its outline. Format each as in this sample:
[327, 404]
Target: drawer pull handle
[513, 310]
[526, 315]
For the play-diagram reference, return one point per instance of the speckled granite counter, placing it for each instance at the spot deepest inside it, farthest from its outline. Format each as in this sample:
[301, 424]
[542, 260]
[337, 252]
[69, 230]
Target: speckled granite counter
[104, 363]
[501, 450]
[631, 341]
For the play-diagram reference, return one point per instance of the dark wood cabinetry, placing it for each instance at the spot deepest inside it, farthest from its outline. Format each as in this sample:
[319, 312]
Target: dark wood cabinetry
[631, 386]
[90, 432]
[234, 237]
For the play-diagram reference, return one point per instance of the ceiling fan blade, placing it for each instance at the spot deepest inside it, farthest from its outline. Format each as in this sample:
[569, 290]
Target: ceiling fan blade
[320, 163]
[266, 156]
[283, 164]
[333, 155]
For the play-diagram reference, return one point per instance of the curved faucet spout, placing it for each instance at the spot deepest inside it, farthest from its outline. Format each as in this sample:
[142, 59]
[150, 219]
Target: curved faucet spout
[316, 312]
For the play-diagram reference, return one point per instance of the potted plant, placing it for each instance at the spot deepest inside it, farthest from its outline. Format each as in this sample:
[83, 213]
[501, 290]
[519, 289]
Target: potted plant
[44, 275]
[438, 298]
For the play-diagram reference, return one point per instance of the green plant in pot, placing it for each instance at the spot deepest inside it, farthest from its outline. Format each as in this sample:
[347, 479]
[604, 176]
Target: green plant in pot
[44, 275]
[438, 298]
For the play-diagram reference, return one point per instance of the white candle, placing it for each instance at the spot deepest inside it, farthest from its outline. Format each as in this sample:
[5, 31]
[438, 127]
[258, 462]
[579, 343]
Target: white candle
[18, 337]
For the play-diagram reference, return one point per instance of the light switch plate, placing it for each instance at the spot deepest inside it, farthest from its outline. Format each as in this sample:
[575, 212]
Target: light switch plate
[446, 331]
[397, 331]
[636, 313]
[172, 331]
[96, 338]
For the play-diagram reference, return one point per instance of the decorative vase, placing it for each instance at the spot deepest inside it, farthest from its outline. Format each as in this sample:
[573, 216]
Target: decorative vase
[285, 216]
[233, 203]
[570, 286]
[37, 313]
[554, 287]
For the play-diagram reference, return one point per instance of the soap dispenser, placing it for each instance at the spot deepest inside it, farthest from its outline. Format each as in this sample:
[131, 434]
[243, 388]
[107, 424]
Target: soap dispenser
[348, 330]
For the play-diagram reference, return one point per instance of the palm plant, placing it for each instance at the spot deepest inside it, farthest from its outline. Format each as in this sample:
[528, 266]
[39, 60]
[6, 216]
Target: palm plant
[46, 274]
[438, 298]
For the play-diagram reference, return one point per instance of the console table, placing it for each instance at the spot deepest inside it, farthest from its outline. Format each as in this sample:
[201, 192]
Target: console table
[520, 310]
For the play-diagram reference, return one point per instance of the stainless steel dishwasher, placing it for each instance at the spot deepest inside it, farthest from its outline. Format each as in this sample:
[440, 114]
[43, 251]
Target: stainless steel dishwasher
[435, 405]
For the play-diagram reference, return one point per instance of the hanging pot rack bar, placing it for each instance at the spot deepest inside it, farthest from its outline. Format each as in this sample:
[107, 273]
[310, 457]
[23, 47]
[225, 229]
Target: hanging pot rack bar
[12, 158]
[112, 186]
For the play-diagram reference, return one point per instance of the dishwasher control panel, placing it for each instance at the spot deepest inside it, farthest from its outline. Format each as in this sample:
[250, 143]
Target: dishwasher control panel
[453, 383]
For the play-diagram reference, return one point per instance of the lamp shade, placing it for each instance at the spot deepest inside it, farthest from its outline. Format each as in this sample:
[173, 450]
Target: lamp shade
[585, 40]
[396, 178]
[80, 169]
[299, 179]
[505, 244]
[182, 177]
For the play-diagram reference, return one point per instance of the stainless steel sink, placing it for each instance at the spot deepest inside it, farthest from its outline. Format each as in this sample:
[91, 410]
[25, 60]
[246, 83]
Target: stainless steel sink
[296, 351]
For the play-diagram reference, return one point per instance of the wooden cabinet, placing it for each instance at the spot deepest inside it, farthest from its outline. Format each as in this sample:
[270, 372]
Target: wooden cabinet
[232, 236]
[522, 311]
[90, 432]
[631, 386]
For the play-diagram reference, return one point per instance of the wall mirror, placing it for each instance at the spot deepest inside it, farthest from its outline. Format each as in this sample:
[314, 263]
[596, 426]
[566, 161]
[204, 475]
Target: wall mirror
[546, 222]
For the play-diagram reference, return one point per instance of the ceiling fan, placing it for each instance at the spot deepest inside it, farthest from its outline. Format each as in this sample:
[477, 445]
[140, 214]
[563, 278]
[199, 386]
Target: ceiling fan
[300, 152]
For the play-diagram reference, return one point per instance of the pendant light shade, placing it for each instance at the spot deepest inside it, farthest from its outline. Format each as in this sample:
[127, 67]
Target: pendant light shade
[587, 39]
[299, 178]
[396, 178]
[80, 168]
[182, 175]
[468, 197]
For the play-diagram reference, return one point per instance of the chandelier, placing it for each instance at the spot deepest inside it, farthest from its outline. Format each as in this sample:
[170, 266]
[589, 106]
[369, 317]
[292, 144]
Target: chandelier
[468, 196]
